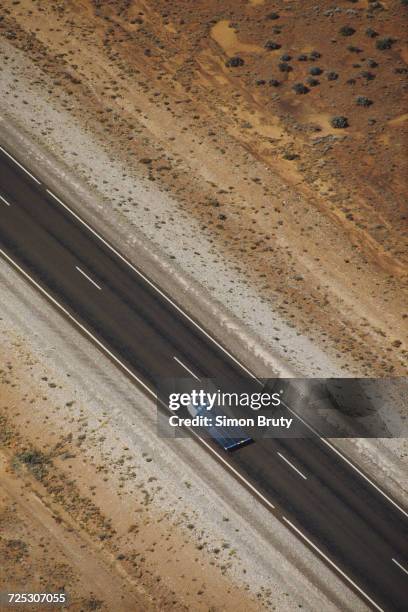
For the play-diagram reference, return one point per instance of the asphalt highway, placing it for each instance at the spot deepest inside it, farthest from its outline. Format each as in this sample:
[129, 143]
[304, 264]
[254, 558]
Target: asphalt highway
[335, 509]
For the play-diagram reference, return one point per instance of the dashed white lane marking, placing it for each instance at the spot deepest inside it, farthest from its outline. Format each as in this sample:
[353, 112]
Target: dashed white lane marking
[149, 282]
[321, 553]
[82, 327]
[334, 449]
[400, 566]
[183, 365]
[214, 452]
[292, 466]
[266, 501]
[5, 201]
[350, 463]
[88, 278]
[152, 393]
[20, 166]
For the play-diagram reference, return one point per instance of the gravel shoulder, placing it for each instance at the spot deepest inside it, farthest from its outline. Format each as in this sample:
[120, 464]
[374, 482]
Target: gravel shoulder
[287, 222]
[96, 183]
[182, 167]
[101, 504]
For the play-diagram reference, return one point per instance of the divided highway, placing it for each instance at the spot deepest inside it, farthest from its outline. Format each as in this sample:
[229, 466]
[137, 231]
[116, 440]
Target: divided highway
[320, 495]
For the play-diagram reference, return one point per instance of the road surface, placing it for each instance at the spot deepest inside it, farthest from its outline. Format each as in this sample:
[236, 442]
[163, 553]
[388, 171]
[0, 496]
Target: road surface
[320, 495]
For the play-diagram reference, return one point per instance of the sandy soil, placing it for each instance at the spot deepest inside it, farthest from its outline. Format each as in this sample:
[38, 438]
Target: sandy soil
[93, 500]
[295, 228]
[310, 215]
[78, 515]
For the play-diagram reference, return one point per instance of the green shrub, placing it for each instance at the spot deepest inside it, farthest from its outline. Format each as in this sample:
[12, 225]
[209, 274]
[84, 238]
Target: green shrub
[284, 67]
[300, 88]
[234, 62]
[385, 43]
[363, 101]
[332, 76]
[315, 70]
[339, 122]
[347, 31]
[371, 33]
[271, 45]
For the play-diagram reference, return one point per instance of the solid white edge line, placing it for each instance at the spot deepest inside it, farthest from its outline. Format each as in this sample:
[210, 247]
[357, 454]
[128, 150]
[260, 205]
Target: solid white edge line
[203, 331]
[98, 342]
[108, 352]
[322, 554]
[185, 367]
[5, 201]
[20, 165]
[239, 476]
[350, 463]
[399, 565]
[222, 348]
[88, 277]
[208, 336]
[292, 466]
[166, 297]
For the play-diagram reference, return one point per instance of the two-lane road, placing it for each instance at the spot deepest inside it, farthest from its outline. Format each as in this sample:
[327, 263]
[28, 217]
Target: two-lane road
[319, 494]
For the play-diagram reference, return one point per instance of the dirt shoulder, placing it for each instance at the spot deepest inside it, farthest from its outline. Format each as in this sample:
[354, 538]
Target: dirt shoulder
[78, 516]
[280, 233]
[89, 489]
[301, 212]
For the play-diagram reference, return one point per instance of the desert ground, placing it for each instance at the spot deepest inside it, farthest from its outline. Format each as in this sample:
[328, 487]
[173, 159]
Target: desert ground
[93, 502]
[260, 149]
[312, 214]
